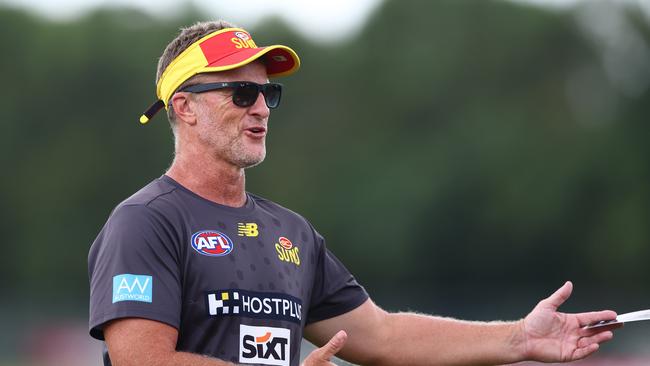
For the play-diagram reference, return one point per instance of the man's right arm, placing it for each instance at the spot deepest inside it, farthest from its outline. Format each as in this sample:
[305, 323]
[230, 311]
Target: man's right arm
[141, 342]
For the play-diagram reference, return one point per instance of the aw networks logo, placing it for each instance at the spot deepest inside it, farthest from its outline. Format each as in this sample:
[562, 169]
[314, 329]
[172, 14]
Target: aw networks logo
[130, 287]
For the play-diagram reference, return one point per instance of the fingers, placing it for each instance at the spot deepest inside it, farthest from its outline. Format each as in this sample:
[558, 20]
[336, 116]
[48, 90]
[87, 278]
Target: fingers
[594, 317]
[588, 332]
[613, 326]
[589, 345]
[322, 355]
[558, 297]
[596, 338]
[581, 353]
[334, 345]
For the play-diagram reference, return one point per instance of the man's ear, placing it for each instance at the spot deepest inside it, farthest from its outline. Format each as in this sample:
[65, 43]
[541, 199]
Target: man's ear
[183, 108]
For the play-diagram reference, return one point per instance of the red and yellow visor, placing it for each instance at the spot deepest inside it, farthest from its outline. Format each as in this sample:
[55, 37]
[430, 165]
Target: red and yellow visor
[222, 50]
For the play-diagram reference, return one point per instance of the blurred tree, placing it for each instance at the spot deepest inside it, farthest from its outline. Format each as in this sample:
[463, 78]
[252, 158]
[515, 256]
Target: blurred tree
[442, 146]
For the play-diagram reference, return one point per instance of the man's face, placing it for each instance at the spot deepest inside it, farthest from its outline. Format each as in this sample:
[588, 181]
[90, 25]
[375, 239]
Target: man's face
[235, 135]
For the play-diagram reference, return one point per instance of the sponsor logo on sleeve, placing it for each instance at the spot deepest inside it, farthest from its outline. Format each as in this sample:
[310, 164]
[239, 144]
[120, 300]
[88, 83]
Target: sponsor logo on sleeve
[212, 243]
[264, 345]
[260, 305]
[130, 287]
[247, 229]
[287, 252]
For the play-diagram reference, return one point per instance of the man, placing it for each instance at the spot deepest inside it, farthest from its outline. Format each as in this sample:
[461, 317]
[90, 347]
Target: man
[193, 270]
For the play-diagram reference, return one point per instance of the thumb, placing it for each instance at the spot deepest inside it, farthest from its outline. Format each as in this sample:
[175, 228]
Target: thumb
[559, 297]
[323, 354]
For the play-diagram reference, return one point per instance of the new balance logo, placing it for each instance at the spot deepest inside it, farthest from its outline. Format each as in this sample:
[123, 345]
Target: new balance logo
[247, 229]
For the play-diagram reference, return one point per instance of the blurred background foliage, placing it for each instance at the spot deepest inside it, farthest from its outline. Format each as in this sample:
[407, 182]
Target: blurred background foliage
[461, 157]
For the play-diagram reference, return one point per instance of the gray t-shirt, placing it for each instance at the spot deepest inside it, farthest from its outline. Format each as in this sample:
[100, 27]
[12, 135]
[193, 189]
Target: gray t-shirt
[239, 284]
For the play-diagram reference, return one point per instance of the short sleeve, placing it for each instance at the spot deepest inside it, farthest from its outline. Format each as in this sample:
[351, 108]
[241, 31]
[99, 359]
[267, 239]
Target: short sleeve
[134, 271]
[335, 290]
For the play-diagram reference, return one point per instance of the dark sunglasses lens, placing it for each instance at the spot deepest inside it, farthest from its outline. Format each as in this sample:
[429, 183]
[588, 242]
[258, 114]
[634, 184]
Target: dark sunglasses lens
[245, 95]
[272, 94]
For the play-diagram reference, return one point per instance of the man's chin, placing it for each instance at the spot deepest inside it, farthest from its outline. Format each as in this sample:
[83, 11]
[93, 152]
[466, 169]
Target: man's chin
[251, 162]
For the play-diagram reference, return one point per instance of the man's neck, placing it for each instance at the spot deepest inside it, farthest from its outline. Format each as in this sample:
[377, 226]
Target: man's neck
[214, 180]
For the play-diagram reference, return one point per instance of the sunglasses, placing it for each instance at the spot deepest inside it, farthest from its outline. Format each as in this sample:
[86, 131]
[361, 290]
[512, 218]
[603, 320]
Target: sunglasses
[244, 93]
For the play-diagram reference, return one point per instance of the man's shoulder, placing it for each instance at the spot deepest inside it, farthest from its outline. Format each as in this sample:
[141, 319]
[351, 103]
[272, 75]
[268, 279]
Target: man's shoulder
[150, 200]
[154, 205]
[151, 192]
[277, 210]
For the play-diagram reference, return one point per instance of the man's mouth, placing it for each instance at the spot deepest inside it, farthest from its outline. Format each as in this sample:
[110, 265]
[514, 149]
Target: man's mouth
[256, 131]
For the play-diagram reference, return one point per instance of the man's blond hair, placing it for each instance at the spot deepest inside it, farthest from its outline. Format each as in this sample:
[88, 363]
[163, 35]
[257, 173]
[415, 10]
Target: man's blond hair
[179, 44]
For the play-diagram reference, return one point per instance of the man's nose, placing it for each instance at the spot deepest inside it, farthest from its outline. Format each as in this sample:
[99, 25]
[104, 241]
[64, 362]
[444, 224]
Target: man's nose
[260, 108]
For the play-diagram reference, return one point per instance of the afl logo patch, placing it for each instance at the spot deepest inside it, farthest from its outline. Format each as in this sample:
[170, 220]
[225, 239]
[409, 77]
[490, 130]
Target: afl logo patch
[212, 243]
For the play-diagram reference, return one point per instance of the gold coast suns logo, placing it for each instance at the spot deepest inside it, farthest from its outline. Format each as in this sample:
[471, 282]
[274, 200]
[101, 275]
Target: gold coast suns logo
[243, 40]
[287, 251]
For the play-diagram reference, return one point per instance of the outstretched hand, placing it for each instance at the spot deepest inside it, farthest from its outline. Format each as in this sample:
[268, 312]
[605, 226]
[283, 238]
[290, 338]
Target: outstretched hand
[551, 336]
[321, 356]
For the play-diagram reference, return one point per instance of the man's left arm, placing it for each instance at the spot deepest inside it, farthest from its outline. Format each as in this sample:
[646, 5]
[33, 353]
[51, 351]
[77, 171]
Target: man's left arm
[375, 337]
